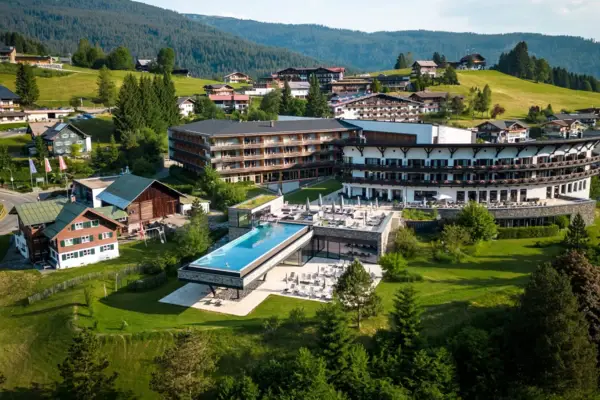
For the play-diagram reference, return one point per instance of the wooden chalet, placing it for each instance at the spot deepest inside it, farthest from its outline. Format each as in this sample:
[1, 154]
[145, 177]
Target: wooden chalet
[144, 200]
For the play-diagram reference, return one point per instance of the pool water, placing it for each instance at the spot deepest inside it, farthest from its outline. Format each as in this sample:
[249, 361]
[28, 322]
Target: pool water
[237, 254]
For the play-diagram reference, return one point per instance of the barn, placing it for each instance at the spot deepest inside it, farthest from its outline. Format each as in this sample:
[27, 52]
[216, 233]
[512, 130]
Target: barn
[144, 200]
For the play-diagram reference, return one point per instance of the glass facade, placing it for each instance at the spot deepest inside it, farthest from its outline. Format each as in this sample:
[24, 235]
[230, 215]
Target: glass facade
[335, 249]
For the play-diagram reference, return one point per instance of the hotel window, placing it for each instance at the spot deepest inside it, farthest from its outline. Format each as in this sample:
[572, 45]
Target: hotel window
[585, 184]
[563, 189]
[460, 195]
[67, 242]
[580, 185]
[87, 252]
[503, 195]
[105, 235]
[107, 247]
[77, 226]
[86, 239]
[523, 194]
[69, 256]
[570, 188]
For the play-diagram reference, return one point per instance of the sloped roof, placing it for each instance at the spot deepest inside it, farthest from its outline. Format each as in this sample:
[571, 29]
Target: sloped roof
[6, 49]
[425, 63]
[232, 97]
[7, 94]
[67, 214]
[55, 130]
[368, 96]
[181, 100]
[576, 116]
[236, 73]
[429, 95]
[111, 212]
[127, 188]
[218, 86]
[143, 63]
[476, 57]
[505, 124]
[41, 212]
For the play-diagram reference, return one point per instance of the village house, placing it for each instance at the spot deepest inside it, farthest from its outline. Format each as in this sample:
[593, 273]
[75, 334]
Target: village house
[470, 62]
[87, 190]
[230, 103]
[144, 200]
[218, 88]
[324, 75]
[349, 85]
[10, 110]
[36, 129]
[60, 138]
[565, 128]
[589, 119]
[237, 77]
[143, 65]
[507, 131]
[376, 106]
[46, 115]
[431, 102]
[186, 106]
[8, 55]
[66, 234]
[424, 67]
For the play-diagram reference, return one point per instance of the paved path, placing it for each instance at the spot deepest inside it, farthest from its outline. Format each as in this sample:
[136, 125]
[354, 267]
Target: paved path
[9, 200]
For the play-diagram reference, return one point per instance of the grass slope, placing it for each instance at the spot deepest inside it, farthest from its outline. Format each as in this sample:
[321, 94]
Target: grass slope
[33, 339]
[312, 192]
[517, 95]
[57, 91]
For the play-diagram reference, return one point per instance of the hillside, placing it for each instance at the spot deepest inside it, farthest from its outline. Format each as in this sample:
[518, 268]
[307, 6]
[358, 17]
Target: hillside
[378, 50]
[517, 95]
[144, 29]
[57, 91]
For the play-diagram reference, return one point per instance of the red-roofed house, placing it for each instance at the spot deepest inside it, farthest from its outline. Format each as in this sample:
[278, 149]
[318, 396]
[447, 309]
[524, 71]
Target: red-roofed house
[230, 103]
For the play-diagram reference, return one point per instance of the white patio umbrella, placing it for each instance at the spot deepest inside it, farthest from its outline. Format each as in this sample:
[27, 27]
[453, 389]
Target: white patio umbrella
[342, 202]
[376, 202]
[279, 193]
[333, 207]
[307, 204]
[320, 200]
[442, 197]
[358, 200]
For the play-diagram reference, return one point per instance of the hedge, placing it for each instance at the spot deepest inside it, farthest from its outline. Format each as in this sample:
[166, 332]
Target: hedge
[148, 283]
[528, 232]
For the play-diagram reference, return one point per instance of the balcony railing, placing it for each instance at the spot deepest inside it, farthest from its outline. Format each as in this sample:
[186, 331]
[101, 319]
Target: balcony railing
[275, 167]
[469, 183]
[476, 168]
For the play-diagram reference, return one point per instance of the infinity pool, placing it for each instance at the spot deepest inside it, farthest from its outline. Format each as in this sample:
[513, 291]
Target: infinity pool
[239, 253]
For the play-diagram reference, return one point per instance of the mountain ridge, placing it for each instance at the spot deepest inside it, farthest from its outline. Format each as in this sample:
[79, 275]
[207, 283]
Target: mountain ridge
[372, 51]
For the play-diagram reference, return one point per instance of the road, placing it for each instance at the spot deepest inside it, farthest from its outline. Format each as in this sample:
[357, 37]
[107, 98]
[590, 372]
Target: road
[11, 199]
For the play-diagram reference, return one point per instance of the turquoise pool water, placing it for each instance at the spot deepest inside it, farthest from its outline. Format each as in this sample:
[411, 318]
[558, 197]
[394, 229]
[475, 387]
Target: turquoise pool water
[237, 254]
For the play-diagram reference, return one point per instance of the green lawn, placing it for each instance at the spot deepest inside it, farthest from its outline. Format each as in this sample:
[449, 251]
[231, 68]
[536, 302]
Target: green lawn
[404, 71]
[15, 143]
[517, 95]
[99, 128]
[57, 91]
[312, 193]
[5, 127]
[256, 191]
[34, 338]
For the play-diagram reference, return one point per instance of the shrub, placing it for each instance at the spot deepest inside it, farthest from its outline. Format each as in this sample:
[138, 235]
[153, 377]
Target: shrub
[297, 318]
[528, 232]
[271, 324]
[124, 325]
[562, 221]
[419, 215]
[406, 242]
[394, 269]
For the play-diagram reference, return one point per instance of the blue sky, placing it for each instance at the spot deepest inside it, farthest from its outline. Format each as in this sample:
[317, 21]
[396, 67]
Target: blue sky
[570, 17]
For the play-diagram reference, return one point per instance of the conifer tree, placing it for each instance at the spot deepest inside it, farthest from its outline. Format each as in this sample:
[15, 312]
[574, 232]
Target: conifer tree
[548, 338]
[577, 236]
[334, 336]
[113, 152]
[376, 86]
[40, 149]
[401, 62]
[405, 319]
[486, 100]
[128, 114]
[26, 85]
[355, 291]
[316, 105]
[83, 372]
[107, 91]
[150, 105]
[168, 101]
[286, 99]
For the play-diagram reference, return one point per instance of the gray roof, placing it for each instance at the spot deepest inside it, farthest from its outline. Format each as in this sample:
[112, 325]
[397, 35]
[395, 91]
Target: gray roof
[6, 94]
[505, 124]
[41, 212]
[144, 62]
[54, 131]
[6, 49]
[181, 100]
[217, 86]
[576, 116]
[425, 63]
[126, 188]
[216, 127]
[381, 126]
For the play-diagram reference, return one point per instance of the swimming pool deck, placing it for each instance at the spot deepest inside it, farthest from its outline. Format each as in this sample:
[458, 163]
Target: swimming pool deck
[200, 297]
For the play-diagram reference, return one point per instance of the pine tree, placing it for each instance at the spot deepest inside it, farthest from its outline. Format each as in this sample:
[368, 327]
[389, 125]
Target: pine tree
[286, 99]
[334, 336]
[26, 85]
[184, 370]
[437, 58]
[376, 86]
[355, 291]
[548, 338]
[150, 105]
[168, 101]
[316, 105]
[41, 150]
[83, 372]
[577, 236]
[113, 152]
[486, 100]
[127, 115]
[107, 91]
[405, 319]
[401, 62]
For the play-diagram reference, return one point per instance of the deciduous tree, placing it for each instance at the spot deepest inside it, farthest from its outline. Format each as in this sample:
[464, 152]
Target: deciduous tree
[120, 59]
[193, 239]
[271, 103]
[393, 266]
[356, 293]
[376, 86]
[166, 60]
[184, 371]
[497, 110]
[478, 221]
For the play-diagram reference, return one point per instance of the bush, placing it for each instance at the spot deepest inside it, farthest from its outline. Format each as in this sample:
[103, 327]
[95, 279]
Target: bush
[562, 221]
[394, 269]
[528, 232]
[440, 255]
[271, 324]
[406, 242]
[419, 215]
[297, 318]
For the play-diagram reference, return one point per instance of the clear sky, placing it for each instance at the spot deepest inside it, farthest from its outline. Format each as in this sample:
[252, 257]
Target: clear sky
[556, 17]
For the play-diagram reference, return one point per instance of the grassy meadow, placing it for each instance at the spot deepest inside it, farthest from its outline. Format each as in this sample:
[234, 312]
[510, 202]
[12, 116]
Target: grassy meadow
[57, 91]
[312, 192]
[35, 338]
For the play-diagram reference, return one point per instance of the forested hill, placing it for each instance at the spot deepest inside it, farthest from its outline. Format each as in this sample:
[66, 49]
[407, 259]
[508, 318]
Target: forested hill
[378, 51]
[144, 29]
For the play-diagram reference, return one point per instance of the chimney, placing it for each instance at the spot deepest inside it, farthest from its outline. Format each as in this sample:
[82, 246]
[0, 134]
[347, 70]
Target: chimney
[272, 124]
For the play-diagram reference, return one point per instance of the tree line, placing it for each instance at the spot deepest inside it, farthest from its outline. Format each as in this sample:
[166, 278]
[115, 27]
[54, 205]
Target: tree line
[519, 63]
[23, 44]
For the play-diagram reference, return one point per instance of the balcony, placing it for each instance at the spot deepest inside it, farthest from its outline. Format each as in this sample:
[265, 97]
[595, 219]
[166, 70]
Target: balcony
[475, 183]
[277, 167]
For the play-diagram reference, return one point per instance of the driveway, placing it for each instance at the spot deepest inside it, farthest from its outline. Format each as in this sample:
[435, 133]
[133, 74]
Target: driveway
[11, 199]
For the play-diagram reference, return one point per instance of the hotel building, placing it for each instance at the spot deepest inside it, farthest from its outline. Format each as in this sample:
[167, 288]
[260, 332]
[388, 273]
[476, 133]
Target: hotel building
[260, 151]
[376, 106]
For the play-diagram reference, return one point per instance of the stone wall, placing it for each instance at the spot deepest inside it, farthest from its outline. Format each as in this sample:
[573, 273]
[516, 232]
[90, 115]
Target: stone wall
[585, 208]
[235, 233]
